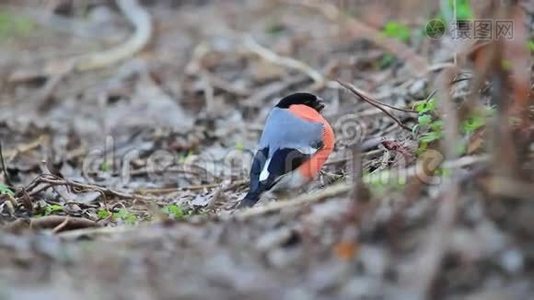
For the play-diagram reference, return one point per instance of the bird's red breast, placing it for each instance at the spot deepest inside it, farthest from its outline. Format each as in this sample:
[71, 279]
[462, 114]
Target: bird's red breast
[311, 167]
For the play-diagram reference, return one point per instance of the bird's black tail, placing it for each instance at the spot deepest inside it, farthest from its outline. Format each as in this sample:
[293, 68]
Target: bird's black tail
[250, 199]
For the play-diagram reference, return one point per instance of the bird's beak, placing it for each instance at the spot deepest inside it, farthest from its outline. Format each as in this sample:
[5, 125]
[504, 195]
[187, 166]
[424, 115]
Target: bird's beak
[320, 104]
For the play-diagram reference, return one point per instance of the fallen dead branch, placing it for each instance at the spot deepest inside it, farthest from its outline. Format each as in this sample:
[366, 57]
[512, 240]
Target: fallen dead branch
[141, 20]
[328, 192]
[375, 103]
[191, 188]
[45, 181]
[57, 69]
[20, 149]
[57, 223]
[7, 178]
[288, 62]
[93, 232]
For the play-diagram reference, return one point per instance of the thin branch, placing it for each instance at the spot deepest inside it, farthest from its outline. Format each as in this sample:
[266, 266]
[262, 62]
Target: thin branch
[328, 192]
[142, 22]
[45, 181]
[287, 62]
[355, 91]
[4, 170]
[56, 223]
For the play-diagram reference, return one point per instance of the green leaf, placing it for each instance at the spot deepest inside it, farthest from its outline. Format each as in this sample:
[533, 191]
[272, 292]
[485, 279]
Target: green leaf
[5, 190]
[126, 216]
[463, 9]
[386, 61]
[105, 166]
[275, 28]
[103, 214]
[174, 211]
[424, 120]
[422, 148]
[396, 30]
[460, 148]
[506, 64]
[53, 208]
[430, 137]
[473, 123]
[426, 106]
[240, 146]
[14, 25]
[477, 120]
[445, 172]
[432, 105]
[437, 126]
[531, 45]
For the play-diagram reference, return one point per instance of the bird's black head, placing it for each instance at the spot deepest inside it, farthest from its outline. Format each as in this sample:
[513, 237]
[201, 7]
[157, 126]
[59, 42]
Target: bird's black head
[302, 98]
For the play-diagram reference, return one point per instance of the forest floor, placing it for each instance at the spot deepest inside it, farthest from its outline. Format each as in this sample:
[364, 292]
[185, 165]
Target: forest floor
[122, 169]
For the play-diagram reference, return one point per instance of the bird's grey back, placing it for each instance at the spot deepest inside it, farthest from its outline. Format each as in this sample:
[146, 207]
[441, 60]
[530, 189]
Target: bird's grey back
[285, 130]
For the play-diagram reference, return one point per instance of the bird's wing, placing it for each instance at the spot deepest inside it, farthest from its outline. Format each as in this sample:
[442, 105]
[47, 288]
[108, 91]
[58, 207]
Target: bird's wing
[284, 129]
[286, 143]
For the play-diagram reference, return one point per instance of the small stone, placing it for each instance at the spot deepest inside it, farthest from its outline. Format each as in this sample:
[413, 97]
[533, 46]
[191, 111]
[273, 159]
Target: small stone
[512, 261]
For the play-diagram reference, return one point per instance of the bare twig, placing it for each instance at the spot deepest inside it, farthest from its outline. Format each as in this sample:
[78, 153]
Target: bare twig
[222, 84]
[61, 190]
[190, 188]
[11, 154]
[59, 227]
[57, 223]
[368, 98]
[45, 95]
[328, 192]
[58, 69]
[4, 170]
[140, 18]
[355, 91]
[92, 232]
[287, 62]
[46, 181]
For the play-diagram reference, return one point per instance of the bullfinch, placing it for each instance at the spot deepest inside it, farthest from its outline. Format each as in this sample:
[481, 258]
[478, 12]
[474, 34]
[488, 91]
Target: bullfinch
[295, 143]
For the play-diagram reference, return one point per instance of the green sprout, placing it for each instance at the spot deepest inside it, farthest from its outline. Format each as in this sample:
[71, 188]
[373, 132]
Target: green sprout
[5, 190]
[397, 30]
[240, 146]
[11, 25]
[431, 127]
[103, 213]
[53, 208]
[105, 166]
[174, 211]
[463, 9]
[126, 216]
[386, 61]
